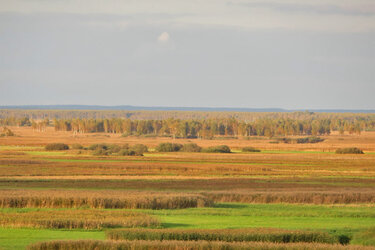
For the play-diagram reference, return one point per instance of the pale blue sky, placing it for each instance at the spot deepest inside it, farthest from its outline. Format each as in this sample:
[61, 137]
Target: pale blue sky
[257, 54]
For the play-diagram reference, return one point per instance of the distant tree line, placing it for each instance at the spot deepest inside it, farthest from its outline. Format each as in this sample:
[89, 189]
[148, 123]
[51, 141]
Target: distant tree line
[182, 115]
[202, 128]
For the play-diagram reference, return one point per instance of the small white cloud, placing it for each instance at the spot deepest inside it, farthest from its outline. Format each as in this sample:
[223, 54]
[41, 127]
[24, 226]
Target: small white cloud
[163, 37]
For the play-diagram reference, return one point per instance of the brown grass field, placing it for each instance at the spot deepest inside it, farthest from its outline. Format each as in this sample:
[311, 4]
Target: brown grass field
[76, 190]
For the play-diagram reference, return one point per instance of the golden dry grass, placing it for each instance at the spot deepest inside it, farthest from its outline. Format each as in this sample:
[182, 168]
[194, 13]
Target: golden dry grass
[76, 219]
[99, 199]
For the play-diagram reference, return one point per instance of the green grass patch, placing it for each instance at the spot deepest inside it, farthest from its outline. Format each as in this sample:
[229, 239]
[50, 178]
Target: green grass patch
[365, 237]
[14, 239]
[304, 217]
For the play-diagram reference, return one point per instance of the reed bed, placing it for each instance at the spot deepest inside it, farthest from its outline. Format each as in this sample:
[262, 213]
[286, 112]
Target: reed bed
[77, 219]
[293, 197]
[226, 235]
[100, 199]
[185, 245]
[194, 183]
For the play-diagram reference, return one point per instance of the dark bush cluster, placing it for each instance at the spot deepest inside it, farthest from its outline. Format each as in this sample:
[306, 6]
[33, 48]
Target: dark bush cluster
[349, 151]
[191, 147]
[169, 147]
[124, 150]
[217, 149]
[250, 149]
[312, 139]
[56, 146]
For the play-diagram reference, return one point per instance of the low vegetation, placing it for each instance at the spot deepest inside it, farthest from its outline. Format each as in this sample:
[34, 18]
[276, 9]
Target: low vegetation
[173, 245]
[292, 197]
[250, 149]
[365, 237]
[99, 199]
[349, 151]
[76, 219]
[227, 235]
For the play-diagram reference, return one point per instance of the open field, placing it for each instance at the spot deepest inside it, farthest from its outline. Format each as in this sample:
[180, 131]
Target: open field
[74, 194]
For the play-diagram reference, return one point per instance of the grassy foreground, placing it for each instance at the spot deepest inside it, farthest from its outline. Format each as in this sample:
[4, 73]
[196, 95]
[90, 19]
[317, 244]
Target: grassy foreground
[336, 220]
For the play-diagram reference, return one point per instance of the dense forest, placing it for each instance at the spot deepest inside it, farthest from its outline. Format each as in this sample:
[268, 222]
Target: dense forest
[207, 125]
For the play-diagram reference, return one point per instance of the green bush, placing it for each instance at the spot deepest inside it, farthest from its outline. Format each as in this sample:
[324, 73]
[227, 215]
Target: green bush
[217, 149]
[191, 147]
[349, 151]
[56, 146]
[168, 147]
[250, 149]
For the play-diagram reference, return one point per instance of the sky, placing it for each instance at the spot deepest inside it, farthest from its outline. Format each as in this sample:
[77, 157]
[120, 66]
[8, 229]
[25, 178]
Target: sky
[294, 54]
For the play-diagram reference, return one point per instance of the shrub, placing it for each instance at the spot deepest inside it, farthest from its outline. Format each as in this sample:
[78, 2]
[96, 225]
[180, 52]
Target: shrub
[217, 149]
[56, 146]
[77, 146]
[250, 149]
[168, 147]
[191, 147]
[227, 235]
[349, 151]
